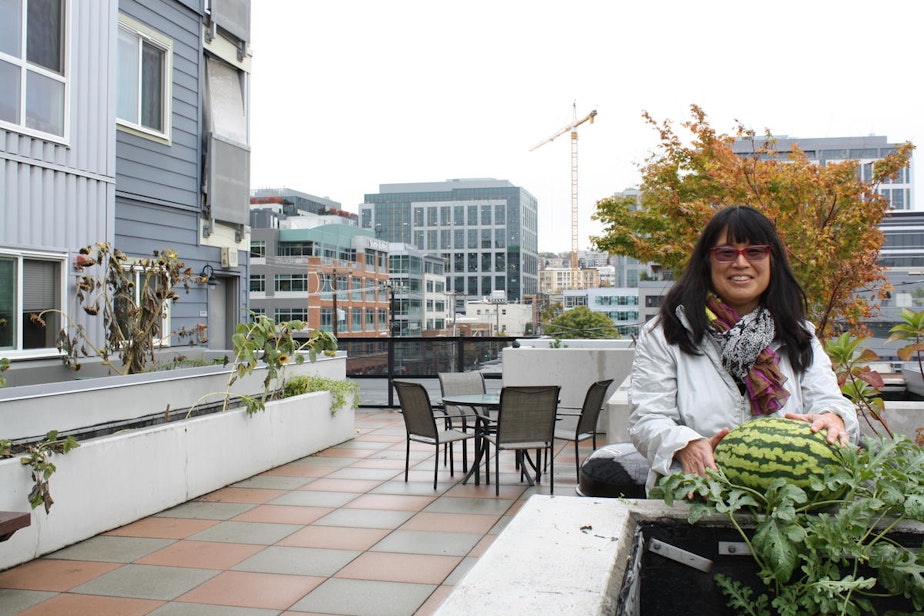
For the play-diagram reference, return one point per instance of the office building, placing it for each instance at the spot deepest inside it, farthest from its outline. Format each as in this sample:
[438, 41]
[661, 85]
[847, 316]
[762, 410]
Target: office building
[866, 150]
[318, 269]
[417, 281]
[620, 304]
[484, 229]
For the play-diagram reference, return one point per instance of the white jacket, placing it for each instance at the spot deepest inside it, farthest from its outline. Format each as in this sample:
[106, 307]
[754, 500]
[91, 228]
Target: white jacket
[675, 398]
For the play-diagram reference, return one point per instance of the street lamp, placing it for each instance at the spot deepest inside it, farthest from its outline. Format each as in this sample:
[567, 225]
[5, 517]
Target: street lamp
[453, 295]
[497, 301]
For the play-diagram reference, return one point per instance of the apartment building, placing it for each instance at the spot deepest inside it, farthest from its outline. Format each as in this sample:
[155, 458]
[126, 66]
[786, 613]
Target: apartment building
[322, 270]
[484, 229]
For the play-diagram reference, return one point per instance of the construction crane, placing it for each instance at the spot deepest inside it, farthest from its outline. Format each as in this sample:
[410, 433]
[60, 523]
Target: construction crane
[574, 183]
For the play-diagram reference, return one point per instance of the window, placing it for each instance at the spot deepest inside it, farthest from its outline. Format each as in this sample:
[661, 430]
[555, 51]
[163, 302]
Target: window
[143, 283]
[143, 70]
[291, 314]
[29, 285]
[257, 249]
[257, 283]
[291, 282]
[32, 66]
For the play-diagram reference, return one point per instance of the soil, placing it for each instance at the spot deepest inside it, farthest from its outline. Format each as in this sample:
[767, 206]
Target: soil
[668, 587]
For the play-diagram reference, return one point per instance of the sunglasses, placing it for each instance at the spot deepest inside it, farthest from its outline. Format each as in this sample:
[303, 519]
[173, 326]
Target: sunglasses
[727, 254]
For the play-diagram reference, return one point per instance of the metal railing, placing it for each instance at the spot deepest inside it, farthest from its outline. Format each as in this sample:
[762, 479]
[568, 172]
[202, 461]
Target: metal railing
[422, 357]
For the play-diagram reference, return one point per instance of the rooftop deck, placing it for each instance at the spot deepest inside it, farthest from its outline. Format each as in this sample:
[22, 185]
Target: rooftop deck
[339, 532]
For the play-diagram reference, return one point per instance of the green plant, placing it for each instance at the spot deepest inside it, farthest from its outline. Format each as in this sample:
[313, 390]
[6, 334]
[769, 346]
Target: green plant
[342, 391]
[4, 366]
[263, 341]
[38, 457]
[911, 330]
[857, 380]
[830, 562]
[132, 297]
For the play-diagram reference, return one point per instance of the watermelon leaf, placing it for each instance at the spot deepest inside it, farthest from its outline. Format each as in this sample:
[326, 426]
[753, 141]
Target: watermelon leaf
[778, 551]
[740, 596]
[809, 531]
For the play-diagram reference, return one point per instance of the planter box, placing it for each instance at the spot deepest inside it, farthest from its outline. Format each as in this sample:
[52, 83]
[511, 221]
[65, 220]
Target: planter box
[111, 481]
[30, 411]
[571, 555]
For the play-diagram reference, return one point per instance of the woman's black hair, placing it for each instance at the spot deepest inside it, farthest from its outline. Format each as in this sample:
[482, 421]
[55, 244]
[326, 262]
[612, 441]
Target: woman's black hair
[784, 298]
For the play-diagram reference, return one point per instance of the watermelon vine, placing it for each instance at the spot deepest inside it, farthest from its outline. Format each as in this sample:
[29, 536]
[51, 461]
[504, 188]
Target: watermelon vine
[836, 560]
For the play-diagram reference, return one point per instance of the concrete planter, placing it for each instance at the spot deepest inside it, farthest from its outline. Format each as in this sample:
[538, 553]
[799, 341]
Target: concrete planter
[571, 555]
[573, 368]
[30, 411]
[114, 480]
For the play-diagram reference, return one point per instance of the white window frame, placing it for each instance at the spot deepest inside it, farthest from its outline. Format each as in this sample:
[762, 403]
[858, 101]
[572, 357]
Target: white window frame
[18, 352]
[26, 68]
[146, 35]
[166, 331]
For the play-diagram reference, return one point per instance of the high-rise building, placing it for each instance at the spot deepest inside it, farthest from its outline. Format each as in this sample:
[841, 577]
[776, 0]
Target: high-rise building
[320, 269]
[418, 287]
[485, 229]
[866, 150]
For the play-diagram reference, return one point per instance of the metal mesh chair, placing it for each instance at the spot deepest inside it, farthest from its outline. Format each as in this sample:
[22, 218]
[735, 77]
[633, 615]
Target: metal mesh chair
[420, 422]
[587, 420]
[461, 417]
[526, 420]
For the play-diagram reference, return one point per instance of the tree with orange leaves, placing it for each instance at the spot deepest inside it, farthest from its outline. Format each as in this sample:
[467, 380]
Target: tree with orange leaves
[828, 218]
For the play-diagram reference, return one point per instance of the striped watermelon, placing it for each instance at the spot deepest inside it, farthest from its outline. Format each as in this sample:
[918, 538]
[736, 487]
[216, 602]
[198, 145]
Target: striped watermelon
[761, 450]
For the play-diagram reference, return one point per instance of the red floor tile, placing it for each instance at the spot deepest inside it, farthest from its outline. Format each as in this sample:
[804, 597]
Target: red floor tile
[393, 567]
[53, 575]
[451, 522]
[257, 590]
[201, 555]
[339, 452]
[390, 502]
[163, 528]
[436, 599]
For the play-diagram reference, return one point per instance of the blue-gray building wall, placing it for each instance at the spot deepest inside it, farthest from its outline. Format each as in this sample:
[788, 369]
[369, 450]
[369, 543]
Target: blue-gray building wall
[59, 195]
[158, 198]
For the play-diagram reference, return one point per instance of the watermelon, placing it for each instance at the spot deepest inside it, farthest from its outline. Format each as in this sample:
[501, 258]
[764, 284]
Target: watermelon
[761, 450]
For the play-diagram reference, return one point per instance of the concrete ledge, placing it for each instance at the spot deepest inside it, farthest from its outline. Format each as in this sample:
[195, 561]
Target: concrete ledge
[560, 555]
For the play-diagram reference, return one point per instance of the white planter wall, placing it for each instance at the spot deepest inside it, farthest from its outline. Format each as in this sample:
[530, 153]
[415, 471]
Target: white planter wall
[32, 410]
[574, 369]
[111, 481]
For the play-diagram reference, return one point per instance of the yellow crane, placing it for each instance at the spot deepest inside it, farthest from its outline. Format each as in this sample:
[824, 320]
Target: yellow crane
[574, 183]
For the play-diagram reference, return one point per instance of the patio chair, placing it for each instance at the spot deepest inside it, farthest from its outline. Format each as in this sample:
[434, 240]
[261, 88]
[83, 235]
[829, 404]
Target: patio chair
[461, 417]
[420, 422]
[525, 420]
[586, 426]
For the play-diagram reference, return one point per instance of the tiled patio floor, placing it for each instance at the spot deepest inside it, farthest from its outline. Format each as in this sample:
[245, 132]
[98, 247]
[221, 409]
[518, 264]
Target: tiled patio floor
[339, 532]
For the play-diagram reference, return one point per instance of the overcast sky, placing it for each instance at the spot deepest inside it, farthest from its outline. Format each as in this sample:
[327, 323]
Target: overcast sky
[350, 94]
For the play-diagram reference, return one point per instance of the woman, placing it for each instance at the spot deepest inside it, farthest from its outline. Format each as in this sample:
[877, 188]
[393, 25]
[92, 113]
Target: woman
[731, 342]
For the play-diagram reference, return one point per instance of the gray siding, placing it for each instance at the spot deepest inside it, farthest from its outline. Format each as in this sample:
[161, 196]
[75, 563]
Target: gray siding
[158, 198]
[60, 197]
[168, 174]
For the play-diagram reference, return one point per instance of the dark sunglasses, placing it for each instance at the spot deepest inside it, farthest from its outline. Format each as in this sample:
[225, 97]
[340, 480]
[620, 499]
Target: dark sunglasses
[727, 254]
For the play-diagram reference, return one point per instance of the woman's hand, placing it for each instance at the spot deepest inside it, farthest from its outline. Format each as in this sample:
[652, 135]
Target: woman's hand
[697, 456]
[830, 422]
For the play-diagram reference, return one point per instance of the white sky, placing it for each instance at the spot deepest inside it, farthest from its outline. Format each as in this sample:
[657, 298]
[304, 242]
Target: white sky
[350, 94]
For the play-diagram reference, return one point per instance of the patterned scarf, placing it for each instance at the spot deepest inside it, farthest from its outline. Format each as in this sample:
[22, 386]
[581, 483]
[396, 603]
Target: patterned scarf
[746, 353]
